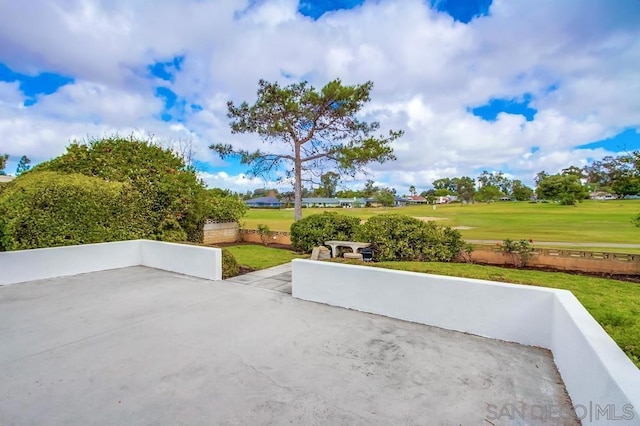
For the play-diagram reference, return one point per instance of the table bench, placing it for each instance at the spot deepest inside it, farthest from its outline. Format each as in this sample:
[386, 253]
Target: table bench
[355, 246]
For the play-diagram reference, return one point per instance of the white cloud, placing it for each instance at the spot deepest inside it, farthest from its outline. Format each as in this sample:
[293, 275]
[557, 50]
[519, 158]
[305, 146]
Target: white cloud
[577, 58]
[240, 182]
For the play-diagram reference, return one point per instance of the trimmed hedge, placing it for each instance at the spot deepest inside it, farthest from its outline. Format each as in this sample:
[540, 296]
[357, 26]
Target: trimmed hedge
[314, 230]
[399, 237]
[48, 209]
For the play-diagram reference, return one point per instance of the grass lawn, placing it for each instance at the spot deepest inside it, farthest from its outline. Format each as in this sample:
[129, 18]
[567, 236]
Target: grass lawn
[614, 304]
[260, 257]
[590, 221]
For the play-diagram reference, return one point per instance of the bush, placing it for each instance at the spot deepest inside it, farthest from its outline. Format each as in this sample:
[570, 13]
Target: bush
[173, 190]
[520, 251]
[314, 230]
[47, 209]
[230, 267]
[399, 237]
[265, 234]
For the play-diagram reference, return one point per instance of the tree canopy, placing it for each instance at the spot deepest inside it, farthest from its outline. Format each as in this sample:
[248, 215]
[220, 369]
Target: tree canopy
[315, 130]
[619, 175]
[23, 165]
[564, 188]
[3, 163]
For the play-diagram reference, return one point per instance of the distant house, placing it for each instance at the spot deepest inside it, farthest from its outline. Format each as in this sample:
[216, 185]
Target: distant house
[320, 202]
[5, 179]
[417, 199]
[264, 203]
[601, 195]
[399, 202]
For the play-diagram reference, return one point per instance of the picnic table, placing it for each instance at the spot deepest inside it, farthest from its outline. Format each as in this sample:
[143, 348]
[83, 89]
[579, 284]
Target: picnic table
[355, 246]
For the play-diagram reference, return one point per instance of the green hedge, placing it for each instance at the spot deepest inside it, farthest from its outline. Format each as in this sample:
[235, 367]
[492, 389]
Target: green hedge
[178, 203]
[399, 237]
[48, 209]
[314, 230]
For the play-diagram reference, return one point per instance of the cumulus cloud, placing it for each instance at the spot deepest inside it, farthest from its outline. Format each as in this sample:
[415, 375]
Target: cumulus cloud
[575, 59]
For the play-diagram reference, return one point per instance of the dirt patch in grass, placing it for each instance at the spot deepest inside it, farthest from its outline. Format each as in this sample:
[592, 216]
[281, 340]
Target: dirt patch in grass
[429, 218]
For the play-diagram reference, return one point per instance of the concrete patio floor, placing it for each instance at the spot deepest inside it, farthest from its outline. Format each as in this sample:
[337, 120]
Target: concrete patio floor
[142, 346]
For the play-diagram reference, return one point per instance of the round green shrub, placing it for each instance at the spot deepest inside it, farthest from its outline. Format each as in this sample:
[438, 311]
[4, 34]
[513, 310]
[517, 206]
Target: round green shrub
[48, 209]
[230, 267]
[400, 237]
[314, 230]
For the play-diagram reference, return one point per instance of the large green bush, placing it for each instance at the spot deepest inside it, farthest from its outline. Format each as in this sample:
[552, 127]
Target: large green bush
[173, 191]
[47, 209]
[177, 202]
[314, 230]
[399, 237]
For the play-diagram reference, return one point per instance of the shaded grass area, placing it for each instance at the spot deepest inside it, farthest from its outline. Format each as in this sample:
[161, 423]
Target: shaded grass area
[614, 304]
[591, 221]
[260, 257]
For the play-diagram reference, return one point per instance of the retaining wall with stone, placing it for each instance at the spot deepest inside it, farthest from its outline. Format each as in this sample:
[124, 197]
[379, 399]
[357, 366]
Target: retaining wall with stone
[566, 260]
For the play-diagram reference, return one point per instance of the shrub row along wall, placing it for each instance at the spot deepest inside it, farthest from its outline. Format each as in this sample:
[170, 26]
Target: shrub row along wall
[567, 260]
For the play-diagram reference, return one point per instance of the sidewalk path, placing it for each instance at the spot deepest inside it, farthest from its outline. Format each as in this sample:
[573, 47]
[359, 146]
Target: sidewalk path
[568, 244]
[277, 278]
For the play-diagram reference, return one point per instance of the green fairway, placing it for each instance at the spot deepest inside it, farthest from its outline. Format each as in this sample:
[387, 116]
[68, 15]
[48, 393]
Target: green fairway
[590, 221]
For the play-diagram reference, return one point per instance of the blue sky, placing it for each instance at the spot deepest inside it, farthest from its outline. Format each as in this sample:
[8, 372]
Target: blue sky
[475, 85]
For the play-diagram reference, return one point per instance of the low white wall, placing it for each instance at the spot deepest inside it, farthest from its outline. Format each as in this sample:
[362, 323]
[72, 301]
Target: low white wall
[592, 366]
[201, 262]
[471, 306]
[38, 264]
[28, 265]
[594, 369]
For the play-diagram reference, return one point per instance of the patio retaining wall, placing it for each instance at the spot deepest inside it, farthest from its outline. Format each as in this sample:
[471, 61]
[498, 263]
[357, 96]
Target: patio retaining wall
[594, 369]
[37, 264]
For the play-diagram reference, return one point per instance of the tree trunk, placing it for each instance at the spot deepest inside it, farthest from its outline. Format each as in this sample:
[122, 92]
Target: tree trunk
[297, 184]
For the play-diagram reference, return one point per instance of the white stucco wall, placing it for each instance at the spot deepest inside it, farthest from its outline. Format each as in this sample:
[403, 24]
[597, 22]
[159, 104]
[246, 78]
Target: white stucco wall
[201, 262]
[36, 264]
[594, 369]
[28, 265]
